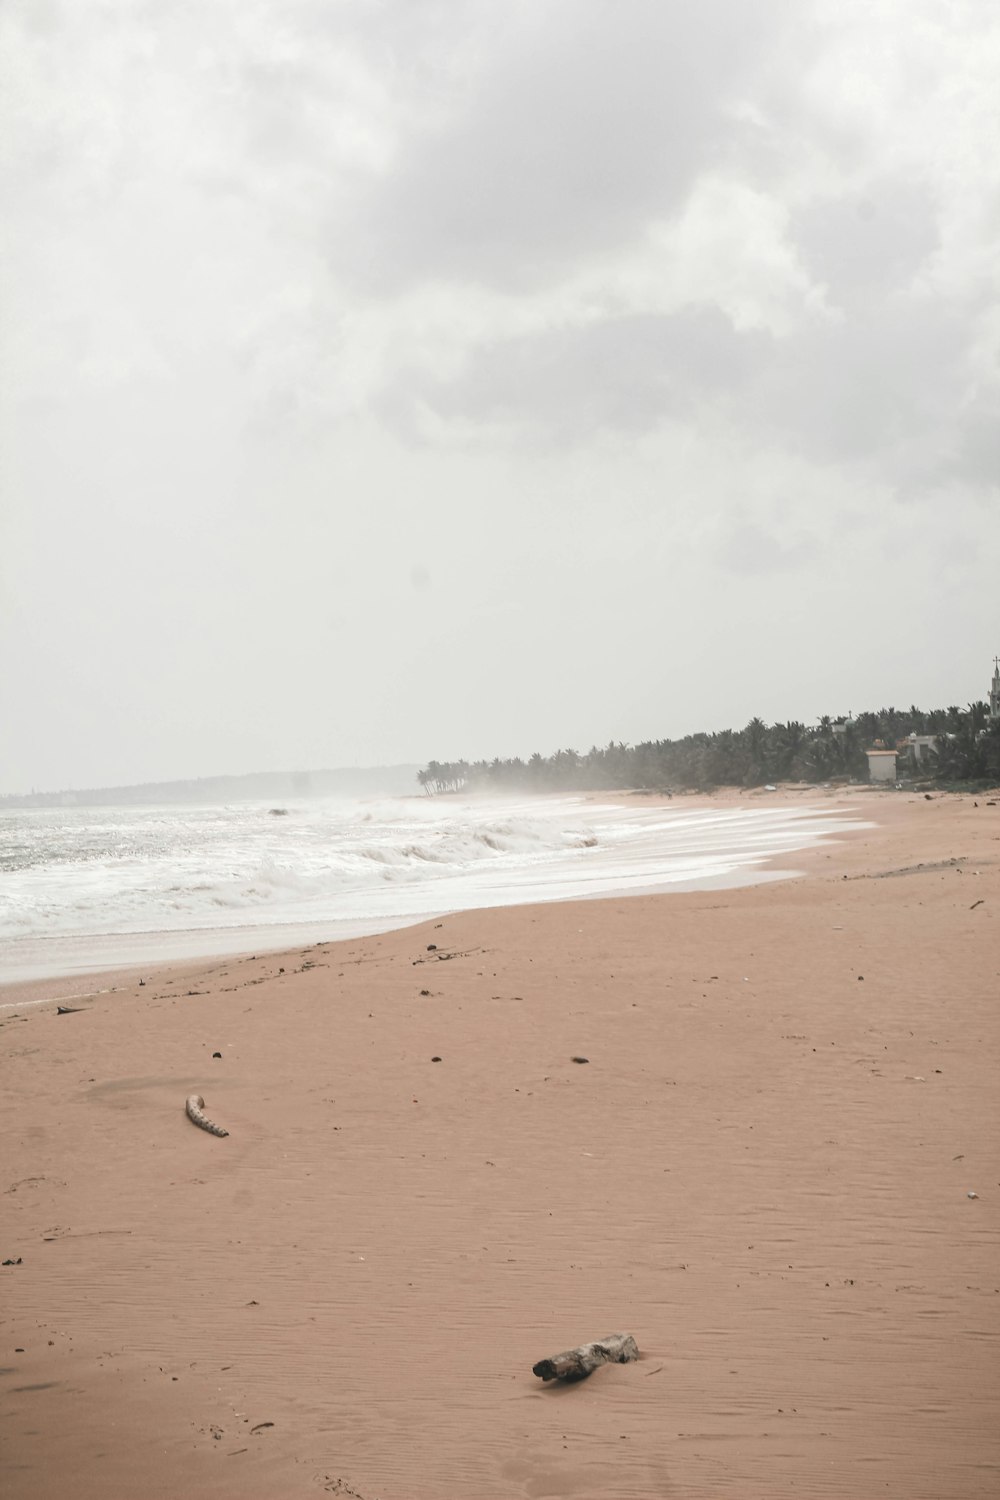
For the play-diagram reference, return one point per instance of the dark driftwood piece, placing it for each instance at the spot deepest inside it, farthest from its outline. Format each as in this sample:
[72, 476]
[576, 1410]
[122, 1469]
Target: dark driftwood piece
[575, 1364]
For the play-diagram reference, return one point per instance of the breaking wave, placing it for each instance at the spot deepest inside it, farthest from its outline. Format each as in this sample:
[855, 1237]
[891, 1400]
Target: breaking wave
[104, 872]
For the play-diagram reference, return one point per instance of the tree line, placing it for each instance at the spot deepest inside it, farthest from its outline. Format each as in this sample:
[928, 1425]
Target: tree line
[966, 749]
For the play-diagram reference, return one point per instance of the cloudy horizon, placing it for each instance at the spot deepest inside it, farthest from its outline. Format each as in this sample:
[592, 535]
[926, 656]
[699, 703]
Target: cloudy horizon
[422, 379]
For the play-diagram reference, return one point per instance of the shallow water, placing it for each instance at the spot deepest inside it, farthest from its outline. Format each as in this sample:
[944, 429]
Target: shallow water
[83, 889]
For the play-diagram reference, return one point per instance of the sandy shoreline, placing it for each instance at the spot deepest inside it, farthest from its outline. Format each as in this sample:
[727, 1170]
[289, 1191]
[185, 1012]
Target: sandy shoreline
[176, 952]
[762, 1173]
[119, 946]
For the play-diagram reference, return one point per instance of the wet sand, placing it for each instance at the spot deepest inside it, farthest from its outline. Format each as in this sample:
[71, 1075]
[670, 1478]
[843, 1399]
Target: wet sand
[761, 1173]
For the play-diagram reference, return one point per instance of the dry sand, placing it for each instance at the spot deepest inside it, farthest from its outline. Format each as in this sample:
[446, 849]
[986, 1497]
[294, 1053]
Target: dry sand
[762, 1173]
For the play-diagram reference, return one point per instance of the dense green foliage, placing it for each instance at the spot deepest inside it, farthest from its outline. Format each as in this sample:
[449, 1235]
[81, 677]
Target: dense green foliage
[967, 749]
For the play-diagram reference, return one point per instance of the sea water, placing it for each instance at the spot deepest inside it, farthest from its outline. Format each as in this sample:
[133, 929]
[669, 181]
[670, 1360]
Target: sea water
[90, 888]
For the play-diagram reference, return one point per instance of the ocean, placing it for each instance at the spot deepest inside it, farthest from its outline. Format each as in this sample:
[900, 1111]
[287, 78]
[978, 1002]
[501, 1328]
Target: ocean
[84, 889]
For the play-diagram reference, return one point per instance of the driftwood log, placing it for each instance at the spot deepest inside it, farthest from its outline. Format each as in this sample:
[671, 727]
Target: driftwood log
[576, 1364]
[194, 1107]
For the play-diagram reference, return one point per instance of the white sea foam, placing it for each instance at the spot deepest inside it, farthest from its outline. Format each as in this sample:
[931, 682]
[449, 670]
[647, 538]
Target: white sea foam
[88, 888]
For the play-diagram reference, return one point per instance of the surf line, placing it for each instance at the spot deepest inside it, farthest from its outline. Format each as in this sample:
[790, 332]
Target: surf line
[54, 999]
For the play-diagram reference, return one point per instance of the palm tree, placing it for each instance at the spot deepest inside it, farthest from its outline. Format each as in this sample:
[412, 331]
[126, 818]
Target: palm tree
[755, 740]
[789, 742]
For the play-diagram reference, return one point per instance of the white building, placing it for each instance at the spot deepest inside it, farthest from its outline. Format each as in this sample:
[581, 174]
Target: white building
[921, 747]
[881, 765]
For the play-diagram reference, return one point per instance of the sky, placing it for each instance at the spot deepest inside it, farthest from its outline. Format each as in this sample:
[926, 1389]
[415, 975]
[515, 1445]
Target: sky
[383, 380]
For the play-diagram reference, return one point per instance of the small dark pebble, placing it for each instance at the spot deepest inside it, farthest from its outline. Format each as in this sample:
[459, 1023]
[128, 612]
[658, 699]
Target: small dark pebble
[581, 1059]
[432, 947]
[12, 1262]
[216, 1054]
[433, 1059]
[281, 971]
[142, 983]
[861, 976]
[18, 1351]
[261, 1425]
[425, 992]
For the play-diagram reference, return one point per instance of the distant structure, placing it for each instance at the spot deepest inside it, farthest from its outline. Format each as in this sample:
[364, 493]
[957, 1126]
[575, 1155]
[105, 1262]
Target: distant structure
[881, 764]
[916, 753]
[920, 748]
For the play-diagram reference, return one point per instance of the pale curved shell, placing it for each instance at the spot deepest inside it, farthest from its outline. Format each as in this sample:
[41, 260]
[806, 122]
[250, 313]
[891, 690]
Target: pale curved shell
[195, 1108]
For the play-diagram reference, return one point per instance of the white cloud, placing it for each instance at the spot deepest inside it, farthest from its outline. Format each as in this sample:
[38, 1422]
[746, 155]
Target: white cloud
[590, 323]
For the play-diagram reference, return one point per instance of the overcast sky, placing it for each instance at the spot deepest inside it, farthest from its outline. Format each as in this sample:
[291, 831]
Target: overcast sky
[388, 379]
